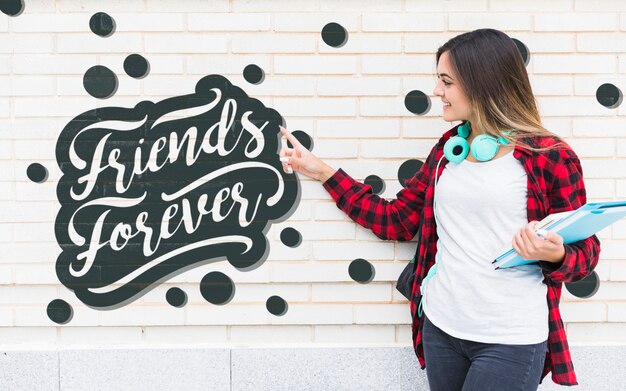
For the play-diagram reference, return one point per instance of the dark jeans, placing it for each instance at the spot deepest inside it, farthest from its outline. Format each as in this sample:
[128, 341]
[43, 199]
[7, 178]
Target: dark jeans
[459, 364]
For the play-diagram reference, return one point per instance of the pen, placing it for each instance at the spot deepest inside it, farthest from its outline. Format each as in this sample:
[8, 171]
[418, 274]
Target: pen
[542, 233]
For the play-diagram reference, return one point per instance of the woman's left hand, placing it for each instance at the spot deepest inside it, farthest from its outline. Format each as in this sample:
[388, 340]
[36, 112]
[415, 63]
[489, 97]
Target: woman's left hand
[531, 246]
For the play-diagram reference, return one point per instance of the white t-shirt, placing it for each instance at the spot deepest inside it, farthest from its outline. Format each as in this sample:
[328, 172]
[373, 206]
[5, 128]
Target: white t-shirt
[479, 208]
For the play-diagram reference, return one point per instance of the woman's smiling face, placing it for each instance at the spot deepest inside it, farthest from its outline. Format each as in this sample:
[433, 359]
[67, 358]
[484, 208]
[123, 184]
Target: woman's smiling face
[456, 105]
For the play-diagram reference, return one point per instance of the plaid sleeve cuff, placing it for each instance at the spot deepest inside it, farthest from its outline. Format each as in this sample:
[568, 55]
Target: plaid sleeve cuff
[338, 184]
[580, 260]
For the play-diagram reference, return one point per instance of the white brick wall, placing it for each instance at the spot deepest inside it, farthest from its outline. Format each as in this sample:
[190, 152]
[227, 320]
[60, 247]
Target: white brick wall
[349, 99]
[573, 63]
[576, 22]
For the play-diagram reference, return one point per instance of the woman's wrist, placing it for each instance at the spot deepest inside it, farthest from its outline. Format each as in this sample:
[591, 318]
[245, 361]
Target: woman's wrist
[558, 256]
[326, 173]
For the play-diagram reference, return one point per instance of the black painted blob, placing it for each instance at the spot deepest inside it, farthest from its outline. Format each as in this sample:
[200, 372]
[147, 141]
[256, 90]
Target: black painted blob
[290, 237]
[377, 183]
[59, 311]
[176, 297]
[303, 138]
[417, 102]
[102, 24]
[523, 50]
[136, 65]
[361, 271]
[584, 288]
[408, 169]
[12, 7]
[608, 95]
[335, 35]
[217, 288]
[276, 305]
[100, 82]
[37, 173]
[253, 74]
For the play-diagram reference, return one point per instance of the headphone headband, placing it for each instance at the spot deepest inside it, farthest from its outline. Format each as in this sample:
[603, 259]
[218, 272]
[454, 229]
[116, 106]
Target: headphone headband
[484, 146]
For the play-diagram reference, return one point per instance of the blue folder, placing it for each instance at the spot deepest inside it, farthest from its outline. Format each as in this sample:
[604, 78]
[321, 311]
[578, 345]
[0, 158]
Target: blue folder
[572, 226]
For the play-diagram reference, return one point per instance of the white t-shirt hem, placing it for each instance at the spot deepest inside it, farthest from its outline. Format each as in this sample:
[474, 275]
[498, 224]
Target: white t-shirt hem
[529, 339]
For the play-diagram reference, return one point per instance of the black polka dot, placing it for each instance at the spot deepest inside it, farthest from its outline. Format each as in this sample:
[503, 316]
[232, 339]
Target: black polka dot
[276, 305]
[408, 170]
[12, 7]
[523, 50]
[334, 35]
[253, 74]
[608, 95]
[176, 297]
[417, 102]
[37, 173]
[290, 237]
[136, 66]
[100, 82]
[584, 288]
[102, 24]
[59, 311]
[217, 288]
[378, 185]
[303, 138]
[361, 270]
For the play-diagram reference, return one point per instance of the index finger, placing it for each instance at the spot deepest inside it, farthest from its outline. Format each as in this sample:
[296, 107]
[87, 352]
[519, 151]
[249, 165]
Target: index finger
[294, 141]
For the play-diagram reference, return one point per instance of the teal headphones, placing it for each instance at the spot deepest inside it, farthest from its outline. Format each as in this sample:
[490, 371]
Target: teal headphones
[484, 147]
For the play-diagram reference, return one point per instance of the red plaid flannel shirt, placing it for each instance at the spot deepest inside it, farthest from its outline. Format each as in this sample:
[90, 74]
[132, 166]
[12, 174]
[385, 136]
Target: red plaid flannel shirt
[555, 184]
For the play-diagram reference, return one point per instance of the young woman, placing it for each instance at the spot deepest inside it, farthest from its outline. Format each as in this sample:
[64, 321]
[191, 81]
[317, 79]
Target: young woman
[496, 174]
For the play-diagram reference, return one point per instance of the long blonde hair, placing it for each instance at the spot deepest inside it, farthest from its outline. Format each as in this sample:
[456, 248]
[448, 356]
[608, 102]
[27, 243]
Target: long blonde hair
[493, 76]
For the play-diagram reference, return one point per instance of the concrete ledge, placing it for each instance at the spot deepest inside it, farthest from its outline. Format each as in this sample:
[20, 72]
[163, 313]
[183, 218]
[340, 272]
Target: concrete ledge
[32, 370]
[327, 369]
[162, 369]
[375, 368]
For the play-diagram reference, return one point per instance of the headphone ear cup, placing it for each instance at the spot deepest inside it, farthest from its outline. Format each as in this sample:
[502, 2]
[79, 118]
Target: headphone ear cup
[456, 149]
[464, 129]
[484, 147]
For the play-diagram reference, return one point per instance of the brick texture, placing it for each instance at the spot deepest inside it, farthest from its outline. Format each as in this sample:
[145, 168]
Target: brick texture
[349, 99]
